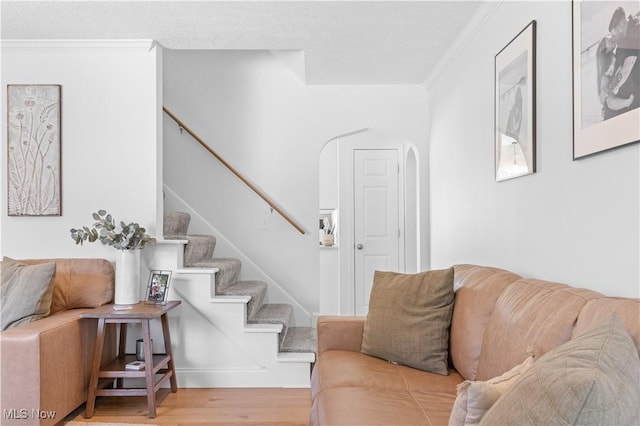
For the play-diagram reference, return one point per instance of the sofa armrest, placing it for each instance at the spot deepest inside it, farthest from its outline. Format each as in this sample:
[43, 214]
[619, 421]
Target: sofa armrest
[45, 365]
[340, 333]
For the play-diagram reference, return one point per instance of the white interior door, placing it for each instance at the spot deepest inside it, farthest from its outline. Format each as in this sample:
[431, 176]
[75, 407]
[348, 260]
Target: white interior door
[376, 219]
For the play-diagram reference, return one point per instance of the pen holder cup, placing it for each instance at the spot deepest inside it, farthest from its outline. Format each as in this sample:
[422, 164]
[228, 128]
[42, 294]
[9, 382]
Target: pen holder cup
[328, 240]
[140, 349]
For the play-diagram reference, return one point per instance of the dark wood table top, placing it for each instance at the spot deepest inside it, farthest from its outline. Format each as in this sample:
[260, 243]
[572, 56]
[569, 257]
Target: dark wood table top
[138, 311]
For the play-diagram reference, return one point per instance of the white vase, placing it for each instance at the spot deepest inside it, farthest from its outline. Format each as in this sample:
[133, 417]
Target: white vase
[128, 277]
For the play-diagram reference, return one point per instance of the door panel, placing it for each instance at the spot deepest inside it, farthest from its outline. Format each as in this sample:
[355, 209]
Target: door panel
[376, 219]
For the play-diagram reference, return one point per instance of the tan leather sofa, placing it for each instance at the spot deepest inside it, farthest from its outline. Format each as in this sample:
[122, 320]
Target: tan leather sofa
[46, 363]
[498, 316]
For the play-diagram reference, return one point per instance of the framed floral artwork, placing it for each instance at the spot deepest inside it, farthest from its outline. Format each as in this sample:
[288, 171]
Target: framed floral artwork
[33, 143]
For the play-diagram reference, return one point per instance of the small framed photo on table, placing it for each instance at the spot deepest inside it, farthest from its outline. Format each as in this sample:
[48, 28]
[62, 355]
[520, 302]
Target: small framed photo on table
[158, 287]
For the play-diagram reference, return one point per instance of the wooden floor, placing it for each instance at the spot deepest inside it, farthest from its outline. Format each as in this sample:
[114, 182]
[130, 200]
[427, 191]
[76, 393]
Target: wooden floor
[237, 406]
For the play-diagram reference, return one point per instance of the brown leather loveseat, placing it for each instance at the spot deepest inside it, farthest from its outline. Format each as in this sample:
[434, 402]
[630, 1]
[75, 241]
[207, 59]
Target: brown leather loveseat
[46, 363]
[497, 318]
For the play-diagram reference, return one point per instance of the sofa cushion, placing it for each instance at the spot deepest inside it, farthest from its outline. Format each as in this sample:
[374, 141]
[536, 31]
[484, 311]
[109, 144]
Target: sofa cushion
[477, 288]
[592, 379]
[26, 292]
[529, 313]
[356, 389]
[409, 318]
[365, 406]
[80, 283]
[337, 369]
[475, 398]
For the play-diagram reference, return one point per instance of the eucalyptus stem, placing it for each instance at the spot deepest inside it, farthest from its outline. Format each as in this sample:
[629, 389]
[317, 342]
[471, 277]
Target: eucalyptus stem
[130, 237]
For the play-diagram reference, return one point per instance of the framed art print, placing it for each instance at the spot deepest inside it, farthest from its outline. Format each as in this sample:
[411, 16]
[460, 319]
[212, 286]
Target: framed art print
[515, 106]
[158, 287]
[606, 75]
[33, 156]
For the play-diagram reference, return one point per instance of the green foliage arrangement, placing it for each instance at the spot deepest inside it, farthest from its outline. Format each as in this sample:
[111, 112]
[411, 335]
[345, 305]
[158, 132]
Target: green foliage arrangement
[130, 237]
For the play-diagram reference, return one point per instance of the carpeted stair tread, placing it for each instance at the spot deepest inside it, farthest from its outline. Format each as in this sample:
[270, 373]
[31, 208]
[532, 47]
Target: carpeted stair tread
[300, 339]
[274, 313]
[199, 249]
[229, 269]
[256, 289]
[176, 223]
[220, 263]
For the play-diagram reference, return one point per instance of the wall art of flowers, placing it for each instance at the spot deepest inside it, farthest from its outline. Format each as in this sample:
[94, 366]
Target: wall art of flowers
[33, 160]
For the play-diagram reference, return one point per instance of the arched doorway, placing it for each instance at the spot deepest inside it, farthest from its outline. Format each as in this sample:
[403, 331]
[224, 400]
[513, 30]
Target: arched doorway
[346, 268]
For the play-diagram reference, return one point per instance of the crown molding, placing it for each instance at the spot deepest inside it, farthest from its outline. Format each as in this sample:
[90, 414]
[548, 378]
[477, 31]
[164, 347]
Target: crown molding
[54, 45]
[477, 21]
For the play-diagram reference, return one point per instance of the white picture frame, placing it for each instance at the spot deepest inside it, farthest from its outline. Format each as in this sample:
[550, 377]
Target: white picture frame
[34, 150]
[600, 121]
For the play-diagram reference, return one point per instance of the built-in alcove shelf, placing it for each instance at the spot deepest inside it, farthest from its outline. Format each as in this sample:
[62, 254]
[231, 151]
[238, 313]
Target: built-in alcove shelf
[327, 225]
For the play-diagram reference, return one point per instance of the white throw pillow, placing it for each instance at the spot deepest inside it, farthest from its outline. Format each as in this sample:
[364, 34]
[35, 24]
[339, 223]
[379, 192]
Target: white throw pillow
[476, 397]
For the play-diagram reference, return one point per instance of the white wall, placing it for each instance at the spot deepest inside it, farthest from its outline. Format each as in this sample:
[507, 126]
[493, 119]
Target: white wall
[110, 139]
[261, 118]
[576, 222]
[328, 179]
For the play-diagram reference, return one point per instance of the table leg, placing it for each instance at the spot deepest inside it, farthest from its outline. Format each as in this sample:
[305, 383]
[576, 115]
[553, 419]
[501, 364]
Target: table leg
[122, 345]
[148, 367]
[95, 369]
[122, 349]
[168, 351]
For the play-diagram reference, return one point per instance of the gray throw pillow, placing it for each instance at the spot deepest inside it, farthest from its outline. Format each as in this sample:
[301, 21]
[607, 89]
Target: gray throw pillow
[593, 379]
[25, 292]
[409, 319]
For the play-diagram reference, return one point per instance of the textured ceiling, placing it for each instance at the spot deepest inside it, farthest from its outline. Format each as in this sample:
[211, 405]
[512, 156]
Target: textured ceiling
[345, 42]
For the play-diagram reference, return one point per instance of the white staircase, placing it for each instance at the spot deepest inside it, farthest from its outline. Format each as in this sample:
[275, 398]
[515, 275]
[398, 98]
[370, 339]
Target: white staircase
[220, 340]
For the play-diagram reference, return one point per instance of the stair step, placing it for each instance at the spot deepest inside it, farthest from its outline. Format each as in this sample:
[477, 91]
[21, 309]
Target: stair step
[256, 289]
[296, 357]
[176, 223]
[263, 328]
[228, 271]
[300, 339]
[199, 249]
[195, 271]
[274, 313]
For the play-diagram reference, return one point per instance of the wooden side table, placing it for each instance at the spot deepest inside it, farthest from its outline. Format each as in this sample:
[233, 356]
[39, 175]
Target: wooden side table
[161, 364]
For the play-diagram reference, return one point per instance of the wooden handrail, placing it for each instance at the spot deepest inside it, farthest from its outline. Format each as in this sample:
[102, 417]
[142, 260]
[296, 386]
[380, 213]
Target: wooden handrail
[239, 175]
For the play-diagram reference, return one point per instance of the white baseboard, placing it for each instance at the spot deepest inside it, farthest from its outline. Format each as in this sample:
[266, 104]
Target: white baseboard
[245, 378]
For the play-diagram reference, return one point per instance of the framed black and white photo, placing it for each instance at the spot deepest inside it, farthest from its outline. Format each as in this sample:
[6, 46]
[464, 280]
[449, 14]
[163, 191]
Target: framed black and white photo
[33, 157]
[515, 106]
[606, 75]
[158, 287]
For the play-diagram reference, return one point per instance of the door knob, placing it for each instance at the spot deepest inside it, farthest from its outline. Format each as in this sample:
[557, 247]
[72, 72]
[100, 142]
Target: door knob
[359, 246]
